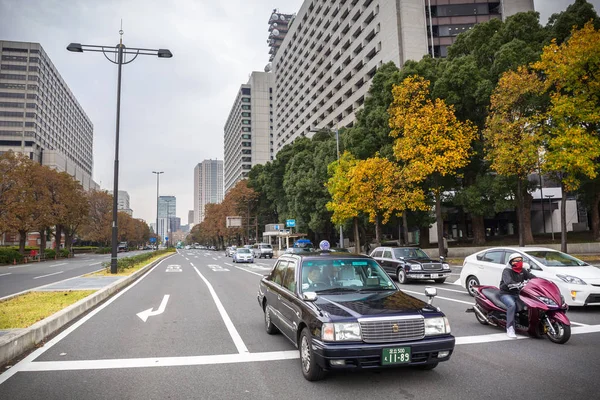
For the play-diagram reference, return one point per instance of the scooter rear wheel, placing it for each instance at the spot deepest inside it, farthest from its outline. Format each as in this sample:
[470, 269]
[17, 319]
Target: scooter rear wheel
[562, 335]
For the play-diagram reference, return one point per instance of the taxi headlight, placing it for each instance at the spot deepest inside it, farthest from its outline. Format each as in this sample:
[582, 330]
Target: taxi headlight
[415, 267]
[341, 331]
[445, 266]
[437, 326]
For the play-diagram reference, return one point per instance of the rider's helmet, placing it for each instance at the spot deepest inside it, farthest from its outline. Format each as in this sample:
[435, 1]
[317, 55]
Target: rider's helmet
[513, 256]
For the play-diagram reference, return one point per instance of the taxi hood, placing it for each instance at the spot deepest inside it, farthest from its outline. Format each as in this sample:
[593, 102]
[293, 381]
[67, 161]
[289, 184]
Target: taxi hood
[358, 305]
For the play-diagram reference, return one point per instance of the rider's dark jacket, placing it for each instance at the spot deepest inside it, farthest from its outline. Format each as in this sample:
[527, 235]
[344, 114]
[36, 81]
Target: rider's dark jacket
[511, 280]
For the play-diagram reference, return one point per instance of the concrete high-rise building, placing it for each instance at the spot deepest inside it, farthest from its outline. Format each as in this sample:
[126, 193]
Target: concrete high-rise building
[40, 116]
[190, 217]
[278, 28]
[123, 202]
[248, 132]
[167, 210]
[325, 64]
[208, 186]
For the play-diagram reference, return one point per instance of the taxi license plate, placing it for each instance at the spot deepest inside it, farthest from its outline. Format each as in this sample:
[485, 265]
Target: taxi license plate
[395, 355]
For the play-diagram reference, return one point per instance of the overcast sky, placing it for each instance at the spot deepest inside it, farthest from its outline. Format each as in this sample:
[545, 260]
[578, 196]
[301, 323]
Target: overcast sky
[172, 110]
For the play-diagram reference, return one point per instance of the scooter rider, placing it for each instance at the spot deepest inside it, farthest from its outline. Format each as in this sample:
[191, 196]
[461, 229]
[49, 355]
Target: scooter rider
[512, 282]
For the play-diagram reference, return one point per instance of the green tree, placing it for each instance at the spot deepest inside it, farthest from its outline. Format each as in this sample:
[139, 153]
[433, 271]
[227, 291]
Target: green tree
[576, 15]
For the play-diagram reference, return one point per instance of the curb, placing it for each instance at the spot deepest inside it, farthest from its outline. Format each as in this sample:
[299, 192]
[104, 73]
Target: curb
[13, 344]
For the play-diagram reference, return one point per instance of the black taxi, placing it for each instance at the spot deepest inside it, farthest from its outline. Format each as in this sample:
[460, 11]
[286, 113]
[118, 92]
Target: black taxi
[342, 311]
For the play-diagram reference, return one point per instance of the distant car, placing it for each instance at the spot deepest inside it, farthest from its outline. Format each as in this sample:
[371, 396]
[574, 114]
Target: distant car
[579, 282]
[230, 250]
[339, 250]
[342, 311]
[243, 255]
[261, 250]
[411, 263]
[122, 247]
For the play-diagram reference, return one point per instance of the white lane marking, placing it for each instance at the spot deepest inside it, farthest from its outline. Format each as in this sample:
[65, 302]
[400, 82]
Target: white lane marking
[216, 359]
[43, 276]
[579, 324]
[214, 258]
[252, 272]
[456, 282]
[192, 264]
[56, 265]
[144, 315]
[91, 265]
[160, 361]
[20, 366]
[8, 273]
[20, 266]
[229, 265]
[235, 336]
[439, 297]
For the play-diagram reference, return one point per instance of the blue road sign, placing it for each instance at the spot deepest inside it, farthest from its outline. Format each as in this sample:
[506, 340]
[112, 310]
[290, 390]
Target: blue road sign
[290, 223]
[152, 240]
[166, 238]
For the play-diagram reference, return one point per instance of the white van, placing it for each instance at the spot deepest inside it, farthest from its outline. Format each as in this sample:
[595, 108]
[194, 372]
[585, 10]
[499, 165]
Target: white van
[261, 250]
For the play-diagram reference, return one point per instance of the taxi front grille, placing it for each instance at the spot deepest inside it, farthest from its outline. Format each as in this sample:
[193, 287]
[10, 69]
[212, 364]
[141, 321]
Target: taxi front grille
[392, 330]
[432, 266]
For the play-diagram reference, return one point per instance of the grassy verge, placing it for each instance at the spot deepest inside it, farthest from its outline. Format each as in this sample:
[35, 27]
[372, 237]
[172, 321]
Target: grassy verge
[129, 268]
[26, 310]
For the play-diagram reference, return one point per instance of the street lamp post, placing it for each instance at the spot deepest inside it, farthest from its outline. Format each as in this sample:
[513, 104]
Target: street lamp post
[550, 196]
[337, 145]
[157, 175]
[119, 51]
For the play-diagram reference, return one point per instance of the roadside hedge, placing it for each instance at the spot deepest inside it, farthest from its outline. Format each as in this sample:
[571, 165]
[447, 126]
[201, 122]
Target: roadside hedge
[128, 262]
[50, 253]
[9, 255]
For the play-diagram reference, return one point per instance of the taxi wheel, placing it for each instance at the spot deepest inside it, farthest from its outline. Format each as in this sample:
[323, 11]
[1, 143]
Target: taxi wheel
[401, 276]
[310, 369]
[269, 326]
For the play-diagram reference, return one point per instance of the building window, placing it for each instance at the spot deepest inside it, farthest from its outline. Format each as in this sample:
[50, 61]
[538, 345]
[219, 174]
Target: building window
[245, 100]
[12, 123]
[14, 58]
[245, 107]
[245, 114]
[11, 114]
[14, 67]
[14, 77]
[246, 122]
[246, 129]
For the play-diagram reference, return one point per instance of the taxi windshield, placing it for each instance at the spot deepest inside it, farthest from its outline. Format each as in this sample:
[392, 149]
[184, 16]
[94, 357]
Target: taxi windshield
[346, 273]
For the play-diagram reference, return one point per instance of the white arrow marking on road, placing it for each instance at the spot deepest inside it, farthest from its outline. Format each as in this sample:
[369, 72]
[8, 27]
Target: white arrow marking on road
[149, 313]
[173, 268]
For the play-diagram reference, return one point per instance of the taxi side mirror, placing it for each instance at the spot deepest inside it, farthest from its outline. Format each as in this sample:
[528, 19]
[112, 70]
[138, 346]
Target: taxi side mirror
[309, 296]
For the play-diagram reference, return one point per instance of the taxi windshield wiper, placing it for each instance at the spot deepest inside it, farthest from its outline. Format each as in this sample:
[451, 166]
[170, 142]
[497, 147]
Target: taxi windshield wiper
[336, 289]
[376, 289]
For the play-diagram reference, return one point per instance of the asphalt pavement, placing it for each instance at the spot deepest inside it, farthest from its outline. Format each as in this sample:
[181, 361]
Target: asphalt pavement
[19, 278]
[191, 328]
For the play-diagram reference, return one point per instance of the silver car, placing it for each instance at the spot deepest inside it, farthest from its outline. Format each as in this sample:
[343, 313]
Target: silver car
[243, 255]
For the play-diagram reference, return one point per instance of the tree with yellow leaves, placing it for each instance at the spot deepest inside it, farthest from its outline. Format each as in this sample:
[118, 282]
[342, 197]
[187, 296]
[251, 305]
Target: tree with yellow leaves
[513, 134]
[430, 141]
[572, 77]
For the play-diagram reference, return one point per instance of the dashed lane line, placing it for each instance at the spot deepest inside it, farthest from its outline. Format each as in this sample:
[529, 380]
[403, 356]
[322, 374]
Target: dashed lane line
[8, 273]
[43, 276]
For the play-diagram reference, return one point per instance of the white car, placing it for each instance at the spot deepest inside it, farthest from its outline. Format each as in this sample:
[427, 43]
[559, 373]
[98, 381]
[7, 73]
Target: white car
[243, 255]
[579, 282]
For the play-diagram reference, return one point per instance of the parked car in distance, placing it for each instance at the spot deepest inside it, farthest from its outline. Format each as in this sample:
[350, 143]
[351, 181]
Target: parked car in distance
[261, 250]
[342, 311]
[243, 255]
[411, 263]
[299, 250]
[122, 247]
[339, 250]
[579, 282]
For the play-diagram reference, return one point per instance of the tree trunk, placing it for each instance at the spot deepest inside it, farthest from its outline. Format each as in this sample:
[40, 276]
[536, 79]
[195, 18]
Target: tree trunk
[520, 213]
[42, 240]
[405, 226]
[356, 236]
[595, 217]
[478, 230]
[527, 235]
[440, 223]
[424, 236]
[57, 237]
[377, 230]
[22, 239]
[563, 220]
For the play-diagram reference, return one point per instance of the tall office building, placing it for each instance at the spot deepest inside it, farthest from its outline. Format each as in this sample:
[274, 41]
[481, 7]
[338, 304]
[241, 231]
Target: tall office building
[123, 202]
[167, 210]
[190, 220]
[325, 64]
[39, 116]
[208, 186]
[249, 129]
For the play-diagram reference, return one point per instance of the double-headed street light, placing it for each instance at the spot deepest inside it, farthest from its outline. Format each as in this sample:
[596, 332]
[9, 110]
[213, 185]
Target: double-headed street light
[337, 144]
[120, 51]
